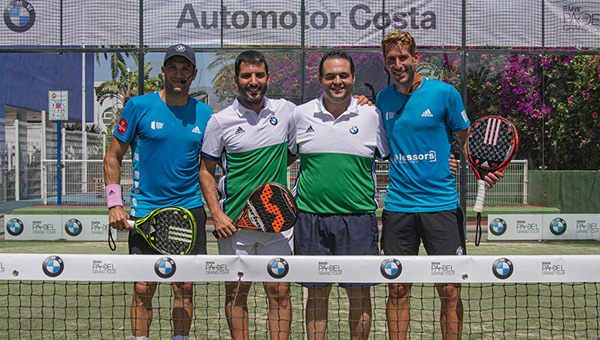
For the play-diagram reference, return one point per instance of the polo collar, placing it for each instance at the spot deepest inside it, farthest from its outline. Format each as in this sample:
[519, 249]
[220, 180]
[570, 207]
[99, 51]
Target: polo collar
[242, 110]
[352, 108]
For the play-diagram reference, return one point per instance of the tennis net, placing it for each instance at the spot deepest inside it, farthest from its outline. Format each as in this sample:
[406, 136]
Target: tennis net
[46, 296]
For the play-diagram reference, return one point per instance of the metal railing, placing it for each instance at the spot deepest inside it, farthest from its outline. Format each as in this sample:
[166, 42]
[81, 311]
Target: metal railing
[512, 190]
[88, 190]
[82, 182]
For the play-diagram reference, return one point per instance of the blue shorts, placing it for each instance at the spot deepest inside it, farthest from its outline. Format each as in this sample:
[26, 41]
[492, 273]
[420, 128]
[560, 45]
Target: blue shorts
[351, 234]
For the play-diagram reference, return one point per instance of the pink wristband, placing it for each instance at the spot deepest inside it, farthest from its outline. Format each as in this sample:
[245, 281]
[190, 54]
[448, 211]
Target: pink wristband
[113, 195]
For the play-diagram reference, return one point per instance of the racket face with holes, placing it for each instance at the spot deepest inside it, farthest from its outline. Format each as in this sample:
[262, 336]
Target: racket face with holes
[271, 208]
[171, 230]
[491, 144]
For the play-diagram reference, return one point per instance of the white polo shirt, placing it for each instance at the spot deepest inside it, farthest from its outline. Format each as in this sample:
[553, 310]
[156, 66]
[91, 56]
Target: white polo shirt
[251, 147]
[337, 171]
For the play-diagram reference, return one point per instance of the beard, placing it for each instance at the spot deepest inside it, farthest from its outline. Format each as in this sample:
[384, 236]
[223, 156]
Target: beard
[243, 91]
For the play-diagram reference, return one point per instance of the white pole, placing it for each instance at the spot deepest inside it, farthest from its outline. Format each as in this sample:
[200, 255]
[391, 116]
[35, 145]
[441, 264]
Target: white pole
[44, 171]
[83, 132]
[62, 157]
[17, 162]
[525, 182]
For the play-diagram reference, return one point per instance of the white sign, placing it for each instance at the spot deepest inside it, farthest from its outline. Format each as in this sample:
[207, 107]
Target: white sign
[515, 227]
[56, 227]
[571, 227]
[543, 227]
[58, 105]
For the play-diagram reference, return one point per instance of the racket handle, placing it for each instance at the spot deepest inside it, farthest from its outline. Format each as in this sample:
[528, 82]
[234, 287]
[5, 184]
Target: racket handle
[131, 223]
[480, 196]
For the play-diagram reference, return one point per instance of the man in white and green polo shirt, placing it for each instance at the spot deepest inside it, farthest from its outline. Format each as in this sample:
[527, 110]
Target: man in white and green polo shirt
[337, 141]
[249, 139]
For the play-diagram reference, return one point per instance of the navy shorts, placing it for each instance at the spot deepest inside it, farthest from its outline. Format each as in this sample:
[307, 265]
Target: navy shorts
[442, 233]
[351, 234]
[138, 245]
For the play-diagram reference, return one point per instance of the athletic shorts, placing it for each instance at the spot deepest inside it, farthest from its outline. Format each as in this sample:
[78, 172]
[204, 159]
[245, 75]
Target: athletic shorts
[441, 232]
[138, 245]
[254, 242]
[350, 234]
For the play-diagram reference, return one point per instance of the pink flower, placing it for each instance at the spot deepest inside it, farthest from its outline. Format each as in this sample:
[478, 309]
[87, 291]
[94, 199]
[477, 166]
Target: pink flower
[488, 84]
[492, 68]
[594, 115]
[570, 100]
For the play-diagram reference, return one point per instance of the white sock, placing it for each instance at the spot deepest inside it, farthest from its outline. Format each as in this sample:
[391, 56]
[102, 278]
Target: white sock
[138, 338]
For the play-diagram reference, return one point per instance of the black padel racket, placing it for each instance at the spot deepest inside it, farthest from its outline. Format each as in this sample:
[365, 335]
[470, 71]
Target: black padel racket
[491, 144]
[271, 208]
[171, 230]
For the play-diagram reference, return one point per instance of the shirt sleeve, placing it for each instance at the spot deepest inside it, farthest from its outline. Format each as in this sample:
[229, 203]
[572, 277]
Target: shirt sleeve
[456, 119]
[125, 130]
[383, 144]
[213, 143]
[292, 146]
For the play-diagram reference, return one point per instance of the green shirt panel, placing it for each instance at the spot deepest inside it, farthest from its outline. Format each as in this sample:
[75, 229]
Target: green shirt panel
[331, 183]
[246, 171]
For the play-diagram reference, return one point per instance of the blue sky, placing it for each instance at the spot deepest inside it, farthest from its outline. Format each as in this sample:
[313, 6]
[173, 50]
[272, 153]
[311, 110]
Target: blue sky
[102, 71]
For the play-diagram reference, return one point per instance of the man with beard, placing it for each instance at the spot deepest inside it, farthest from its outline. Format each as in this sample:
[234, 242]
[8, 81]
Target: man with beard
[249, 138]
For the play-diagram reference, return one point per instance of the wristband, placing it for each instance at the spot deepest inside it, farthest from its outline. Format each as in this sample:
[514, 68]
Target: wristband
[113, 195]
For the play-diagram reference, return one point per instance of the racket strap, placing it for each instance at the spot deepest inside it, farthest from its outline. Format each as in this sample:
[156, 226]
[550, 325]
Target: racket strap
[478, 230]
[111, 241]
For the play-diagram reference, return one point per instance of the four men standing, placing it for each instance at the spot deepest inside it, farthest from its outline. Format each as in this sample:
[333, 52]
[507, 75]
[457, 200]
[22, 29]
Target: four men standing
[337, 141]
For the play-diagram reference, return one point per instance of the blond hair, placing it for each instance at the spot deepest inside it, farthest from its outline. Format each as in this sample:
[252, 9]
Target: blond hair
[399, 36]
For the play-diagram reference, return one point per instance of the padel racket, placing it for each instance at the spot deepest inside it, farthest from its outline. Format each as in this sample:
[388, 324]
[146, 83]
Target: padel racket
[491, 144]
[171, 230]
[271, 208]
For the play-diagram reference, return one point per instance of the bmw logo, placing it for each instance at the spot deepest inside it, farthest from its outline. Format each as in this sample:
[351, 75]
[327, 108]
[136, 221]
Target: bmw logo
[19, 16]
[180, 48]
[502, 268]
[53, 266]
[165, 267]
[73, 227]
[390, 269]
[273, 121]
[15, 226]
[558, 226]
[278, 268]
[354, 130]
[497, 227]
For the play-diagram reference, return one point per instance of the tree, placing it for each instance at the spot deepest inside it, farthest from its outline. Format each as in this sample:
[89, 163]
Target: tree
[285, 71]
[126, 86]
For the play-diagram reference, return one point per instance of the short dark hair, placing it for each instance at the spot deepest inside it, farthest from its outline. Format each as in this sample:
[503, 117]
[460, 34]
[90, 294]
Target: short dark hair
[335, 54]
[250, 57]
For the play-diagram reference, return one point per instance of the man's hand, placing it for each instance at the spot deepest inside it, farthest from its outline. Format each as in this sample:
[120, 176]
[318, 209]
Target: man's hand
[492, 178]
[362, 100]
[223, 225]
[453, 164]
[117, 218]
